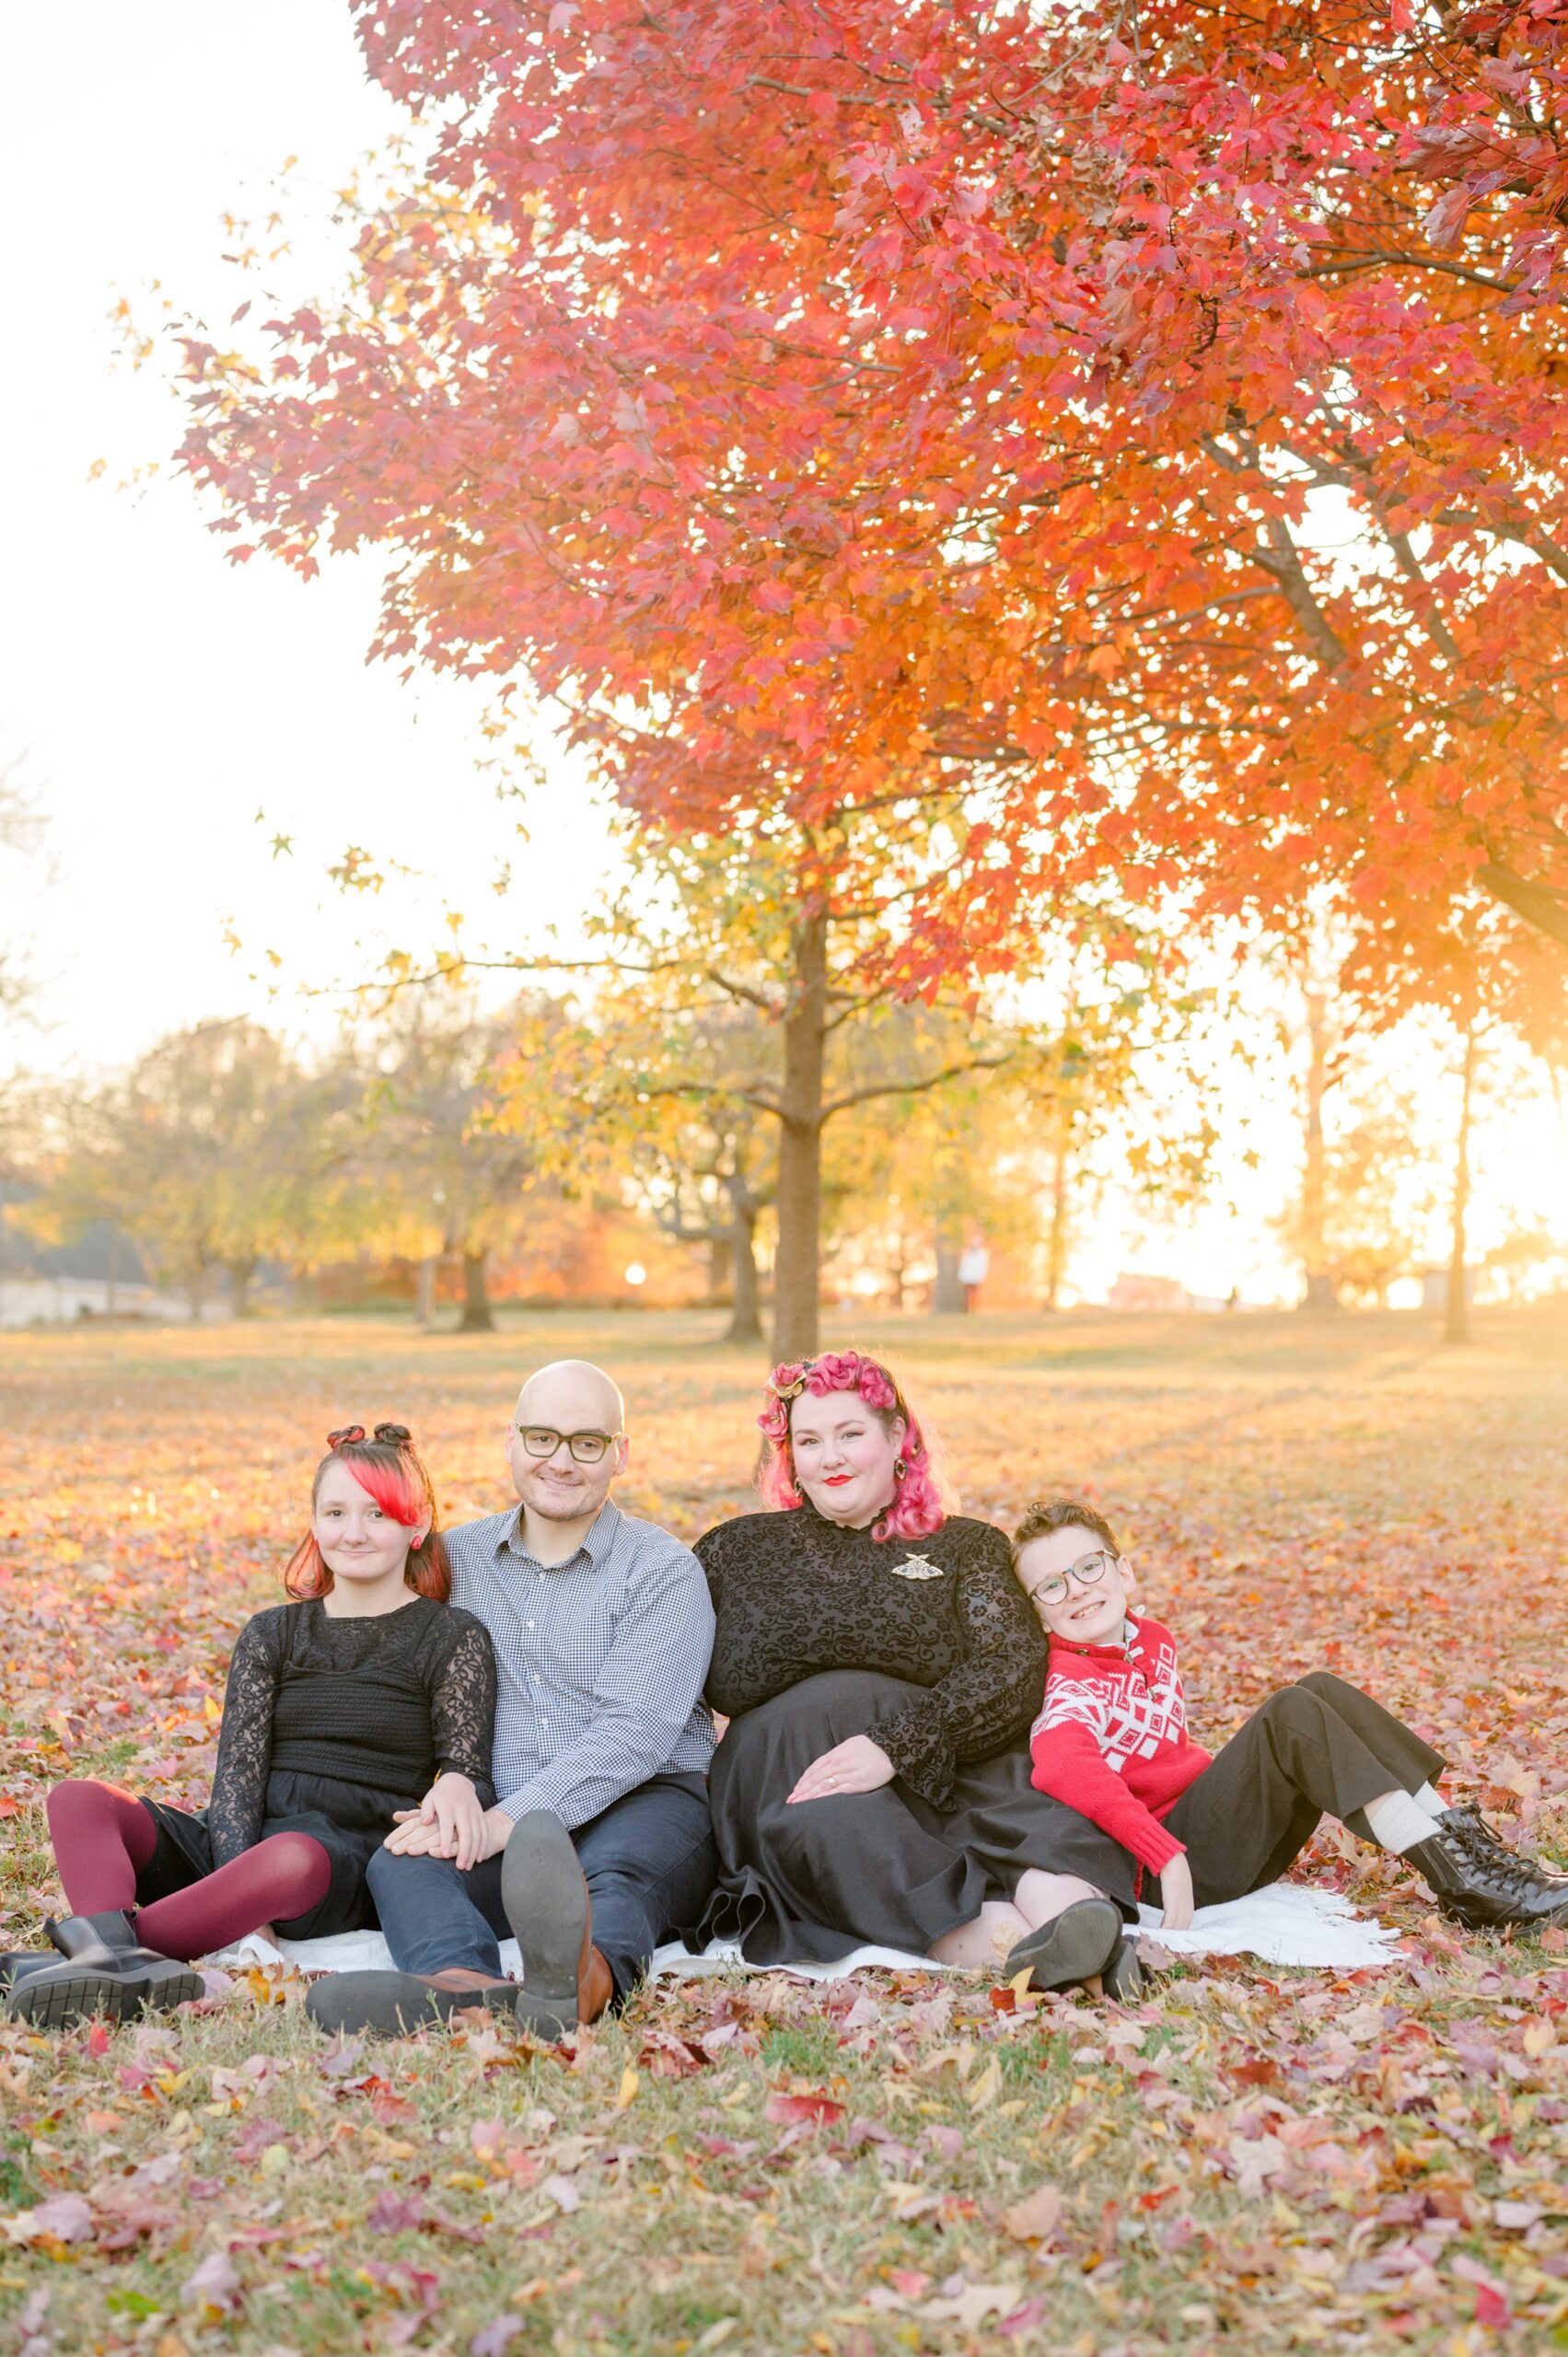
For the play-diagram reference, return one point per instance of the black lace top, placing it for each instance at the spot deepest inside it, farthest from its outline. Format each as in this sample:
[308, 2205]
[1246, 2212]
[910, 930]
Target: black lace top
[795, 1595]
[379, 1703]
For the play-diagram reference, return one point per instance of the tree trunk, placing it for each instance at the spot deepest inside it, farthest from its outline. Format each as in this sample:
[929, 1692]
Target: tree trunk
[1321, 1292]
[240, 1275]
[948, 1294]
[111, 1287]
[796, 1263]
[425, 1296]
[478, 1317]
[1056, 1234]
[196, 1294]
[746, 1325]
[1457, 1321]
[723, 1261]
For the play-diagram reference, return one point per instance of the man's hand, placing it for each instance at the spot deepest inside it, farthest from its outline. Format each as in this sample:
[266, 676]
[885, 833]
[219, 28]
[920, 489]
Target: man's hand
[1176, 1895]
[858, 1766]
[449, 1823]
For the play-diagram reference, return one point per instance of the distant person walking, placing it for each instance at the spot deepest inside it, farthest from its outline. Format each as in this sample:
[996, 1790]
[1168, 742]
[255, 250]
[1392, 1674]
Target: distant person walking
[974, 1267]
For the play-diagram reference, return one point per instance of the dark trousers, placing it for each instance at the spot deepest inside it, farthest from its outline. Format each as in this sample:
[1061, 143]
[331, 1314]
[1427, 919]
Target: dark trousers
[648, 1861]
[1317, 1748]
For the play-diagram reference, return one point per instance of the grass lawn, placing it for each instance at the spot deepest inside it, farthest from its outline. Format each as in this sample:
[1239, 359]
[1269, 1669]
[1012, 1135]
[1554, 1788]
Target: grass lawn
[1254, 2159]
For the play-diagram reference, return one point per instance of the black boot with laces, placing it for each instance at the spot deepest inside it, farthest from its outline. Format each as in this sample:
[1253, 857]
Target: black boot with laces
[1476, 1878]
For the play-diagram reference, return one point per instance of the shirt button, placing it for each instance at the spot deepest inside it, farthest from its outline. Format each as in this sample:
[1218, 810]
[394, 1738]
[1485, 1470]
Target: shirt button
[531, 1624]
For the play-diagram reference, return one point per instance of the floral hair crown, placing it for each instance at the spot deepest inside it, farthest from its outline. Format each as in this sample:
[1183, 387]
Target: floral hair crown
[841, 1371]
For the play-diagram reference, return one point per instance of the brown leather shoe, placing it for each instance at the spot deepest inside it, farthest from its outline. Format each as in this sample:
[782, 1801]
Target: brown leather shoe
[396, 2003]
[596, 1987]
[566, 1980]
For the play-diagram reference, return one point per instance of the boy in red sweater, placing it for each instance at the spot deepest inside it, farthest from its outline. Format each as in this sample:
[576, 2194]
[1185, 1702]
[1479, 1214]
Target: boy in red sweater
[1112, 1743]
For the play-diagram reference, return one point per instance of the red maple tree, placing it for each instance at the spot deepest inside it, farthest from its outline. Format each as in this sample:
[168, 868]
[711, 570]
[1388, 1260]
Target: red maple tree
[1035, 445]
[1152, 415]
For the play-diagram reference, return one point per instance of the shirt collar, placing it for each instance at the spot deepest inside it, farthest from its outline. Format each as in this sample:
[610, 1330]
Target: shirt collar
[1127, 1648]
[596, 1546]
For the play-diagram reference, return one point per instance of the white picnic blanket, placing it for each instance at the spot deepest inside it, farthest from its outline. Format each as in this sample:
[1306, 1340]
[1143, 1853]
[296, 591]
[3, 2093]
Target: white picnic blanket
[1286, 1923]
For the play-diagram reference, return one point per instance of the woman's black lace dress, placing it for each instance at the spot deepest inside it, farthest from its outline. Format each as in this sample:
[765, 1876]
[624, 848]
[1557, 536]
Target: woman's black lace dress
[329, 1727]
[930, 1648]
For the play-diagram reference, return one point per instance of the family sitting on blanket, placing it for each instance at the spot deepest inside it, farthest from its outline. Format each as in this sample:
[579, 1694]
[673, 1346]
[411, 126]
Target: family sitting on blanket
[506, 1729]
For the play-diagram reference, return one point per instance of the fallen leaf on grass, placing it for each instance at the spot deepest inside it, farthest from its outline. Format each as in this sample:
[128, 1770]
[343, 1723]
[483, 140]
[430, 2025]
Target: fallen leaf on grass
[1035, 2217]
[970, 2307]
[819, 2108]
[215, 2285]
[64, 2218]
[492, 2340]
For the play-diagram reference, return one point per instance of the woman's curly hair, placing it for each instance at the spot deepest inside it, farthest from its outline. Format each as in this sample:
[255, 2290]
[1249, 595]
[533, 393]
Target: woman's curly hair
[922, 1499]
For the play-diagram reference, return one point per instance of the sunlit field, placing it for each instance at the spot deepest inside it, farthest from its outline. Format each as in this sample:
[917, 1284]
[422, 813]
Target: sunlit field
[1253, 2158]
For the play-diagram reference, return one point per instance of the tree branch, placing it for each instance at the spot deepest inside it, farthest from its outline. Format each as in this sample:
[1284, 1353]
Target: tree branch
[914, 1087]
[1543, 906]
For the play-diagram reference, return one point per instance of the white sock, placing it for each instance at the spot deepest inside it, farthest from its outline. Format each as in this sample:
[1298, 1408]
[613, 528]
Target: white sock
[1397, 1821]
[1432, 1802]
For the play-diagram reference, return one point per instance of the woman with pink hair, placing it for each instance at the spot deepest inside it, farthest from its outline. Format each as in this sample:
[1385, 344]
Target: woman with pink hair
[880, 1669]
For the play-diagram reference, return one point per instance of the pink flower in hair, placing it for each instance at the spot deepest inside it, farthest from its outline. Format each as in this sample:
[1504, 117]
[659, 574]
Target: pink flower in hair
[919, 1505]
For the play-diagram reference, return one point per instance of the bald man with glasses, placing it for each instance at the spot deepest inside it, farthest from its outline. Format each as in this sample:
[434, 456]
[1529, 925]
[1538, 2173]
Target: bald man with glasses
[601, 1844]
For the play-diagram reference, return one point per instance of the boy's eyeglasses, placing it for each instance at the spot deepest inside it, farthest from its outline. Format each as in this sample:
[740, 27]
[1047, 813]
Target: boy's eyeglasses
[1088, 1571]
[541, 1440]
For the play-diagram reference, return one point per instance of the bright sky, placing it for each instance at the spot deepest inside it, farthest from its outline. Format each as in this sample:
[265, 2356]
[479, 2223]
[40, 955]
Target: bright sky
[163, 697]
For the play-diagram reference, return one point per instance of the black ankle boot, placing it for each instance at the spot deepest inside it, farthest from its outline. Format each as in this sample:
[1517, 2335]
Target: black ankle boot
[1481, 1883]
[17, 1963]
[103, 1969]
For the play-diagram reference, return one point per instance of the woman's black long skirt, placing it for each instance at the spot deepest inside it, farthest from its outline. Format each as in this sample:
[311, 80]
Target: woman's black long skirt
[874, 1869]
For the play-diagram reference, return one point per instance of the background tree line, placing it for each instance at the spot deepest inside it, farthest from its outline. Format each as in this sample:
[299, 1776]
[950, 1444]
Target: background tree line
[641, 1106]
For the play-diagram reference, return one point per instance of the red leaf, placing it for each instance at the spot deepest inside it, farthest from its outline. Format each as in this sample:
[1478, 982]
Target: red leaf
[1491, 2309]
[818, 2108]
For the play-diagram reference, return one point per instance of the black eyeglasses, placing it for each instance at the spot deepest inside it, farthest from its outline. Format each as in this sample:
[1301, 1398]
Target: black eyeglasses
[1088, 1571]
[540, 1440]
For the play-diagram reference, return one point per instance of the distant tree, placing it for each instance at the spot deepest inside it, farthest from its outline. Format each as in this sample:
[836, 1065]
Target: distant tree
[21, 835]
[741, 977]
[1372, 1198]
[210, 1153]
[436, 1173]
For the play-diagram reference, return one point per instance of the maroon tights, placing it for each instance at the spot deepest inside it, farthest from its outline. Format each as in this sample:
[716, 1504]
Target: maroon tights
[103, 1838]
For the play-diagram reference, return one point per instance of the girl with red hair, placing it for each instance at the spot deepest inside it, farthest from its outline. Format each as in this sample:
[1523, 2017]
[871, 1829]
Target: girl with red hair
[880, 1680]
[342, 1708]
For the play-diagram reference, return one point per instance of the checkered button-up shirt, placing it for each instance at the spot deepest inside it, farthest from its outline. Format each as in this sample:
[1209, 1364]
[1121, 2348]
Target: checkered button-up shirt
[600, 1660]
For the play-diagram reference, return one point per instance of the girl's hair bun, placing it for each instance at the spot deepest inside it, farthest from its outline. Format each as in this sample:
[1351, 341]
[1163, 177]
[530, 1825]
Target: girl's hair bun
[394, 1436]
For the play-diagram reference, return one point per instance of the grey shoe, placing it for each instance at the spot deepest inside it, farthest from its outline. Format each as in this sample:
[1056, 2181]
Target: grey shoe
[1123, 1975]
[1071, 1947]
[396, 2005]
[546, 1902]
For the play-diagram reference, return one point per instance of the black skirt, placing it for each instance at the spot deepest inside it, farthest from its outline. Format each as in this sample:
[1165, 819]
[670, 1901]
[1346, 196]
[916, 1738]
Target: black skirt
[350, 1822]
[874, 1869]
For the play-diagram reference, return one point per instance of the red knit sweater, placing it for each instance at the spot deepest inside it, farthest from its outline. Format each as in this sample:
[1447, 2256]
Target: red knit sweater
[1112, 1738]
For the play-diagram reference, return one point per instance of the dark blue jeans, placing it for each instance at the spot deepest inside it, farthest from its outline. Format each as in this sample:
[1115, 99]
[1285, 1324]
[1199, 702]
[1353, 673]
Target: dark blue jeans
[648, 1860]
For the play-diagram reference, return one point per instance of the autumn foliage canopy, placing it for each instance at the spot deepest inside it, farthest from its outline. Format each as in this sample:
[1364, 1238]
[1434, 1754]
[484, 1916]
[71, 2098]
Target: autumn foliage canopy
[1146, 420]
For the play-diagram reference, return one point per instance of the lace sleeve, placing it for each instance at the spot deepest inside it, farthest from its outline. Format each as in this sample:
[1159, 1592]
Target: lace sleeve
[462, 1710]
[990, 1700]
[245, 1741]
